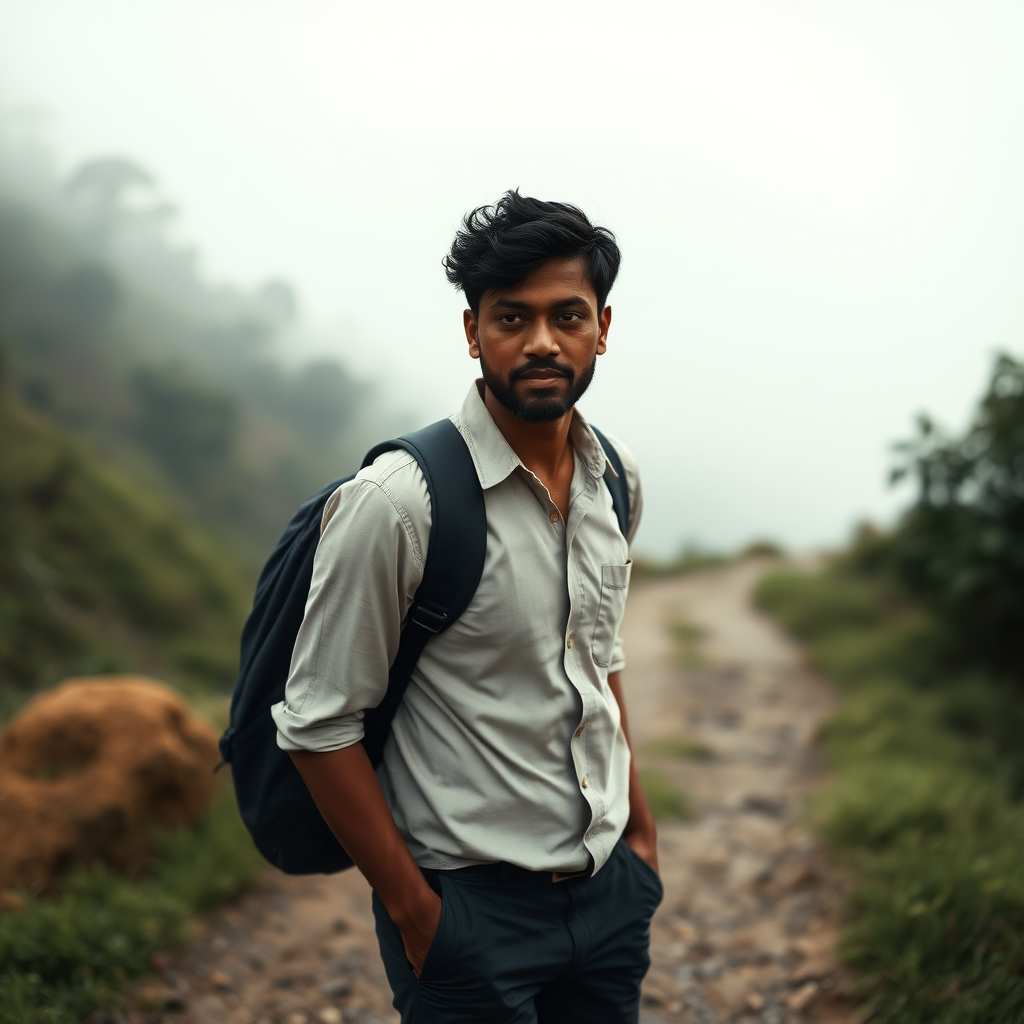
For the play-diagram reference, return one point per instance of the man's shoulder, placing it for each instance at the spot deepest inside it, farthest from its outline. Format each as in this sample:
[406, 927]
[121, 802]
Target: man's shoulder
[623, 451]
[393, 478]
[629, 464]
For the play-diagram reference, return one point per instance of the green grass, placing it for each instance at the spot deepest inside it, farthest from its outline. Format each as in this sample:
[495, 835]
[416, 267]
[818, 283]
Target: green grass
[929, 771]
[690, 560]
[688, 639]
[62, 957]
[100, 575]
[666, 800]
[680, 749]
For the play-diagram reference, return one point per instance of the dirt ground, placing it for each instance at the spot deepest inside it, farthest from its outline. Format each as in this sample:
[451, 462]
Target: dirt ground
[748, 925]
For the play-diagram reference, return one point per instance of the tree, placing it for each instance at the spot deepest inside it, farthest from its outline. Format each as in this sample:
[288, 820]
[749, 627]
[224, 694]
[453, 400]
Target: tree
[960, 546]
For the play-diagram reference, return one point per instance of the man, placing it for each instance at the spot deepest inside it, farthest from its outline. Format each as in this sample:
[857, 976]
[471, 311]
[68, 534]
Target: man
[505, 834]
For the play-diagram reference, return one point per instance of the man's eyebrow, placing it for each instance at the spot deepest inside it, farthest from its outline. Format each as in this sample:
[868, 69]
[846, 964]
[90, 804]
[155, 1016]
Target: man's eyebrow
[573, 300]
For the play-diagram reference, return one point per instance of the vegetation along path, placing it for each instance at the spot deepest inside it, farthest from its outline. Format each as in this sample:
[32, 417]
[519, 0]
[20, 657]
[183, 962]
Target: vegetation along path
[723, 715]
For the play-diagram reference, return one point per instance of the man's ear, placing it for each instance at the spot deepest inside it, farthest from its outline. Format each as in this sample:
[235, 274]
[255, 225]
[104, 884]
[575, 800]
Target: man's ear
[606, 322]
[469, 324]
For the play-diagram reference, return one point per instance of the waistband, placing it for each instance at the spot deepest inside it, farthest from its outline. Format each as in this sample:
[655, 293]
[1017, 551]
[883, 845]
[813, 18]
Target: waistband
[511, 874]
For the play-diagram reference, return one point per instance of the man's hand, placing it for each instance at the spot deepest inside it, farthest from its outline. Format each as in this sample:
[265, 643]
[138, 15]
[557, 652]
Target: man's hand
[644, 843]
[418, 930]
[345, 788]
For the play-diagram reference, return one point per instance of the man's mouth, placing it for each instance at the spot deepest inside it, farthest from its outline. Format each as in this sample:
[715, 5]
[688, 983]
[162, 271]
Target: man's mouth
[541, 373]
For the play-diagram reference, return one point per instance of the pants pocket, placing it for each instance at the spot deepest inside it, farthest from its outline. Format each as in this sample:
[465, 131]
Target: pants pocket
[444, 936]
[647, 875]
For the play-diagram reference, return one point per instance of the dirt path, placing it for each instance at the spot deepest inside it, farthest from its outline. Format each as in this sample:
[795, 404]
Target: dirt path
[748, 925]
[748, 922]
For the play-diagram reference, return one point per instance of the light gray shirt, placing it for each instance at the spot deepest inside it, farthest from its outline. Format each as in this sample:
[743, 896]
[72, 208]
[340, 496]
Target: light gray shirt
[507, 744]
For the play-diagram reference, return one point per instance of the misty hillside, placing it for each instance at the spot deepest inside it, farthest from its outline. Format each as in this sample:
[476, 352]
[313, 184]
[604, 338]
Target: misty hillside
[112, 332]
[100, 575]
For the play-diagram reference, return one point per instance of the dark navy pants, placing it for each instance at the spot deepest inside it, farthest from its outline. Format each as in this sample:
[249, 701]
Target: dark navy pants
[513, 947]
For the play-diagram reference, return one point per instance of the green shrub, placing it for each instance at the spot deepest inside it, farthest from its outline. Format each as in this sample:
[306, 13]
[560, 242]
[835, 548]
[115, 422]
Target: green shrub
[878, 802]
[688, 750]
[925, 803]
[958, 547]
[812, 606]
[61, 957]
[905, 648]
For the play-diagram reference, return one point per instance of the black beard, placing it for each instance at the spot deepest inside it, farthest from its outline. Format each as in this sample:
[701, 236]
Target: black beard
[538, 410]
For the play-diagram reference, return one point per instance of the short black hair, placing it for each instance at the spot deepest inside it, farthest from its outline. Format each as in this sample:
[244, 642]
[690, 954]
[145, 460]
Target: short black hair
[503, 244]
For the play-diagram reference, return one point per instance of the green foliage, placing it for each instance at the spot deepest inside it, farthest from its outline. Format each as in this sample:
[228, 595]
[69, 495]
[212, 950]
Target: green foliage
[959, 547]
[191, 428]
[929, 771]
[691, 559]
[906, 647]
[61, 957]
[688, 640]
[97, 574]
[666, 800]
[682, 749]
[813, 606]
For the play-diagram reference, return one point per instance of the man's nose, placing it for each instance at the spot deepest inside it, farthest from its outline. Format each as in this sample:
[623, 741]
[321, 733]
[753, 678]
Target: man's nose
[541, 341]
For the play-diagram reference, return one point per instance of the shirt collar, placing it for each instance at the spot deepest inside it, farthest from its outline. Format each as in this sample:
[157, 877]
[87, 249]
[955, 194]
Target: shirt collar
[494, 458]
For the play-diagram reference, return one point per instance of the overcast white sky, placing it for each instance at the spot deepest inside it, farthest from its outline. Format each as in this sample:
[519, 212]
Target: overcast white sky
[820, 204]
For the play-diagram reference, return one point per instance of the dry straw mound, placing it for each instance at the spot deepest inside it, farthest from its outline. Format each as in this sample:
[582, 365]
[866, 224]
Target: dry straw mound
[87, 770]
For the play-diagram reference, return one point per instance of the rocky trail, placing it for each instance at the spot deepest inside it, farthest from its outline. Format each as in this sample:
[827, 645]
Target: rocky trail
[721, 704]
[721, 707]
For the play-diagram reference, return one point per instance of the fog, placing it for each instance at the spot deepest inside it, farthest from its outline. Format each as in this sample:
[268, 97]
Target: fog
[819, 205]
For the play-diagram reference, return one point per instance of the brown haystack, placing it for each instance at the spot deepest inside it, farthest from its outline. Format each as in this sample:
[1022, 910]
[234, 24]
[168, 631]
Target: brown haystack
[89, 768]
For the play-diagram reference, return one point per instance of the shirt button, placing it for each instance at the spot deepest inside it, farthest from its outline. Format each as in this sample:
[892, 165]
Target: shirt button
[585, 781]
[569, 642]
[553, 517]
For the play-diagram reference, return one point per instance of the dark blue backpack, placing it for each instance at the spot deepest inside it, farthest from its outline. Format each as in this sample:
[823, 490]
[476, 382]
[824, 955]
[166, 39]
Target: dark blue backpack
[279, 812]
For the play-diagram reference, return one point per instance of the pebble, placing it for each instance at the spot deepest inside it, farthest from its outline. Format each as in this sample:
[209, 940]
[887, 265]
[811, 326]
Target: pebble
[220, 982]
[175, 1002]
[337, 988]
[11, 902]
[803, 997]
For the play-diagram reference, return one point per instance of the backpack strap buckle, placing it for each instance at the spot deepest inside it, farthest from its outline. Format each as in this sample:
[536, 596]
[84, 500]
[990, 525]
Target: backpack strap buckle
[429, 616]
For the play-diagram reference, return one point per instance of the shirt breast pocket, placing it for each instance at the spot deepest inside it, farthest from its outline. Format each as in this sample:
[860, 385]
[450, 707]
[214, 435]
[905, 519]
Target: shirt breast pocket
[614, 585]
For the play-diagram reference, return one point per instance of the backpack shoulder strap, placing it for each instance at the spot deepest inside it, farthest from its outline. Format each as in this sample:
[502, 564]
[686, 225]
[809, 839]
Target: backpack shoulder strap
[617, 485]
[455, 558]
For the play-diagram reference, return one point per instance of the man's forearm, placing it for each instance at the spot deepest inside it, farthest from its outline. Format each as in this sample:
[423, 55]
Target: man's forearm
[345, 788]
[640, 832]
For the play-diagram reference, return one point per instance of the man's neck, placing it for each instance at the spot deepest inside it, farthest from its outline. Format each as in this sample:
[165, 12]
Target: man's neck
[542, 447]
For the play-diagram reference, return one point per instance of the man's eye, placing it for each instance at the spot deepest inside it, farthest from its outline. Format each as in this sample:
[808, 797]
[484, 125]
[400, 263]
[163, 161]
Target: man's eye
[571, 316]
[509, 318]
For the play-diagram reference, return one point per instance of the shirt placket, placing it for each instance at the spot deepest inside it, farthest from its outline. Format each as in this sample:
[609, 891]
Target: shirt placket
[580, 503]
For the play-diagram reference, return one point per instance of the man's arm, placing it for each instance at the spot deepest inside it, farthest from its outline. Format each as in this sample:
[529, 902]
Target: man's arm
[367, 567]
[640, 833]
[345, 788]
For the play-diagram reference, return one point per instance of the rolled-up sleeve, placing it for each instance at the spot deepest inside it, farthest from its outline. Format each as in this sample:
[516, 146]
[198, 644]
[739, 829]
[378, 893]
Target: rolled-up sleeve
[617, 662]
[367, 567]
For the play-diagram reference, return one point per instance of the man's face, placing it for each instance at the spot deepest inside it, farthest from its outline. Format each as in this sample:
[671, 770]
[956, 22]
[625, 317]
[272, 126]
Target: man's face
[538, 341]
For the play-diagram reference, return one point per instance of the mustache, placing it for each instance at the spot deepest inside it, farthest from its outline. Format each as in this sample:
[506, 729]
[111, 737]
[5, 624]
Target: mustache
[563, 369]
